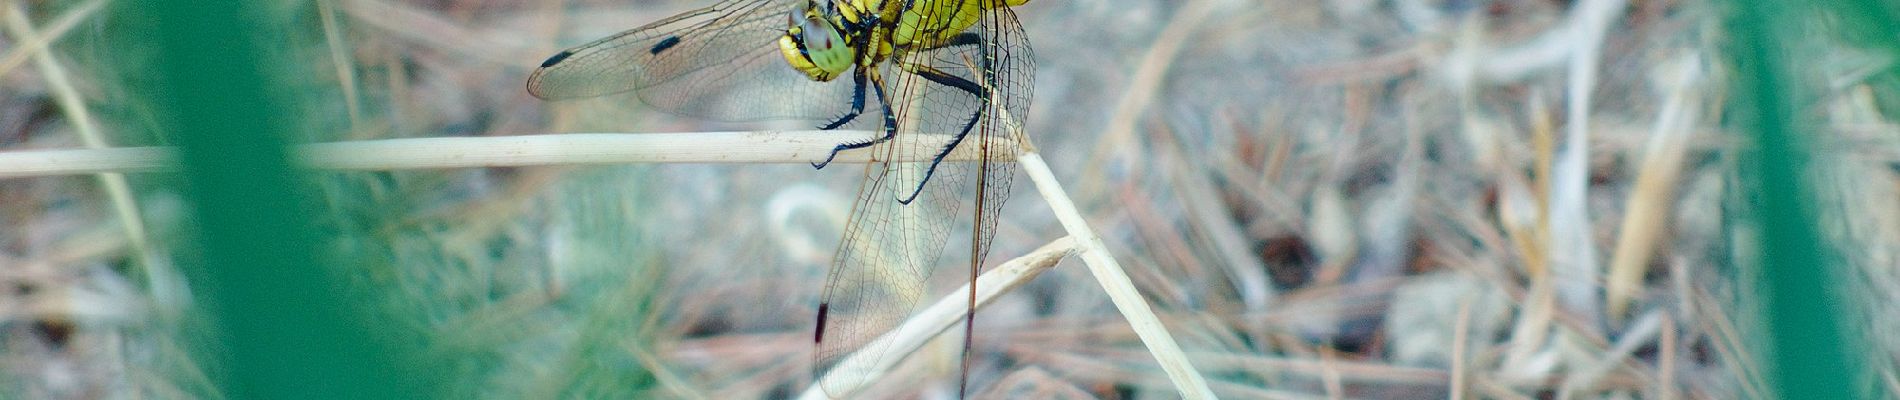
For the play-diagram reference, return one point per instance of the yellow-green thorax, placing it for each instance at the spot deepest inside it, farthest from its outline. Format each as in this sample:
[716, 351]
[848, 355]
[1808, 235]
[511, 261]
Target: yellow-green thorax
[822, 37]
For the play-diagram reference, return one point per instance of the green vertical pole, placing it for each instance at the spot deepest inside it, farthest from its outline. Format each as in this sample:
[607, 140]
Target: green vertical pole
[288, 327]
[1799, 295]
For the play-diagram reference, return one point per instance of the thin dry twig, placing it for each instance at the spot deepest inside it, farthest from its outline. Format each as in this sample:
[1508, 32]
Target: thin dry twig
[508, 151]
[1640, 332]
[1120, 290]
[941, 315]
[1573, 254]
[62, 162]
[1649, 203]
[1460, 337]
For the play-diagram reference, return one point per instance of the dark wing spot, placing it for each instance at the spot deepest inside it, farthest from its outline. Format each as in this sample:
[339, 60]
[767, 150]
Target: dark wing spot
[822, 309]
[556, 59]
[664, 44]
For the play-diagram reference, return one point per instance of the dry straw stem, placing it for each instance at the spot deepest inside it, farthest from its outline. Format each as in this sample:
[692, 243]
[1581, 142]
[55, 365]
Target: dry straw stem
[1119, 288]
[1460, 337]
[1655, 187]
[943, 314]
[504, 151]
[40, 163]
[1573, 254]
[1640, 332]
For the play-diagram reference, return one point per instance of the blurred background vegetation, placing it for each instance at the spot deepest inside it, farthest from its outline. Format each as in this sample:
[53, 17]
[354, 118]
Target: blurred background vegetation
[1332, 199]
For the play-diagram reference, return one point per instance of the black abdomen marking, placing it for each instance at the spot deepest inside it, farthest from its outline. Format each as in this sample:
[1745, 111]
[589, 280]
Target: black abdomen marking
[664, 44]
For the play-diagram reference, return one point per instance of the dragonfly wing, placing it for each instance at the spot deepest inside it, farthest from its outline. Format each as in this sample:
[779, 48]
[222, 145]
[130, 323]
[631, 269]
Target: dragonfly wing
[879, 272]
[1006, 66]
[1010, 69]
[889, 247]
[719, 62]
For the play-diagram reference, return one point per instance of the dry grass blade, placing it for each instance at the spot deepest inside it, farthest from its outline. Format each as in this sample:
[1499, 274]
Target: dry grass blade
[1640, 332]
[1573, 251]
[504, 151]
[941, 315]
[1120, 290]
[1461, 337]
[63, 162]
[1649, 203]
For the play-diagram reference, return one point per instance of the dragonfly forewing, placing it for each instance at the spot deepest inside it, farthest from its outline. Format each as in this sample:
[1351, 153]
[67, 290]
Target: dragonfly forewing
[717, 62]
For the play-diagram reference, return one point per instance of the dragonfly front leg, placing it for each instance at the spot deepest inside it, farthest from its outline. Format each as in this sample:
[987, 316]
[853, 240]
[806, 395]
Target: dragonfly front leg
[857, 103]
[890, 118]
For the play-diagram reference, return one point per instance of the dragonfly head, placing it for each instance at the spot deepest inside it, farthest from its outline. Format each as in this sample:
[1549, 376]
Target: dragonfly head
[814, 44]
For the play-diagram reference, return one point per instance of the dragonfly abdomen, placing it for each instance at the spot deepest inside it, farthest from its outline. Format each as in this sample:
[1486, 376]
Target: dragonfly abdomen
[929, 24]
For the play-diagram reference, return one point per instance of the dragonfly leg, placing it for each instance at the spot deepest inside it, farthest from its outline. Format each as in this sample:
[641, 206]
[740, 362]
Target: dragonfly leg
[890, 126]
[857, 103]
[946, 79]
[941, 154]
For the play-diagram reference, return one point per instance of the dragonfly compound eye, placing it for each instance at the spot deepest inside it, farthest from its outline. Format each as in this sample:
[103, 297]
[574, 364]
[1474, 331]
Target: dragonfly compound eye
[815, 47]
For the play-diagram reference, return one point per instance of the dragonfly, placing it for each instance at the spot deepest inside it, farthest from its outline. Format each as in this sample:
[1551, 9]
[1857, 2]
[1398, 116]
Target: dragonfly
[957, 70]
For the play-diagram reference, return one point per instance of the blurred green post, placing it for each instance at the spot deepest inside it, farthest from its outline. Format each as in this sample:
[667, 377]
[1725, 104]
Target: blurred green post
[1800, 297]
[288, 325]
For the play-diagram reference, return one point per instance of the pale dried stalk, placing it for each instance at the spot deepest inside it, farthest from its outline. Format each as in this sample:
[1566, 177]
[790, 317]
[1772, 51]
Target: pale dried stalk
[1119, 288]
[1535, 317]
[943, 314]
[1461, 337]
[508, 151]
[1649, 203]
[63, 162]
[1640, 332]
[1573, 254]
